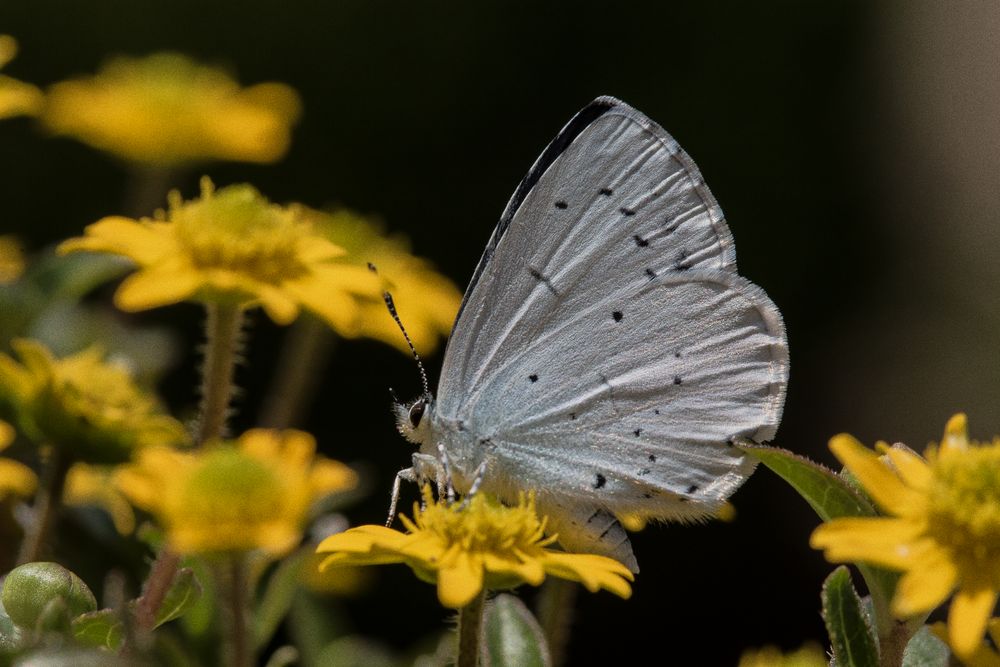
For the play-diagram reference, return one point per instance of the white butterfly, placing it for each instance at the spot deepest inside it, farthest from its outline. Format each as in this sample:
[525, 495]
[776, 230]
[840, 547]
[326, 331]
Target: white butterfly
[606, 354]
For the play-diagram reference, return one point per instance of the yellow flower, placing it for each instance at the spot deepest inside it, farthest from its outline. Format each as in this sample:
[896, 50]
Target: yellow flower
[809, 655]
[16, 479]
[464, 548]
[92, 485]
[167, 110]
[16, 97]
[11, 259]
[985, 654]
[426, 301]
[87, 407]
[942, 528]
[254, 494]
[231, 246]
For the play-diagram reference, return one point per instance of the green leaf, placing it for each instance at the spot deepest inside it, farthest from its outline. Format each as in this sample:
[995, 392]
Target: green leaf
[832, 496]
[829, 494]
[278, 595]
[851, 637]
[512, 635]
[102, 629]
[315, 623]
[184, 591]
[925, 650]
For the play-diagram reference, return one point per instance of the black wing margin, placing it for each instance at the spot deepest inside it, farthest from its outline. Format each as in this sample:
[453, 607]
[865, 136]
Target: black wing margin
[570, 131]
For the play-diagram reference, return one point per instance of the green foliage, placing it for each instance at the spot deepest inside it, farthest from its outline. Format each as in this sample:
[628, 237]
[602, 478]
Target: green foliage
[512, 635]
[851, 637]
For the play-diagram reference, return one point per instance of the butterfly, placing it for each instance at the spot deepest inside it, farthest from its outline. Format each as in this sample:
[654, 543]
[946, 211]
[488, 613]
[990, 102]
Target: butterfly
[606, 355]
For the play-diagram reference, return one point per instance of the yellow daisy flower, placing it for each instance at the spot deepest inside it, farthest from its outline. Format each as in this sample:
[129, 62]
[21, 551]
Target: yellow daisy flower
[16, 479]
[89, 408]
[16, 97]
[251, 494]
[426, 300]
[466, 547]
[231, 246]
[985, 654]
[167, 110]
[92, 485]
[11, 259]
[942, 530]
[809, 655]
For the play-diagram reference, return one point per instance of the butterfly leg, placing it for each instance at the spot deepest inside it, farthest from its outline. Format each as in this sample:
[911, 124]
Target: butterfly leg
[445, 470]
[410, 476]
[477, 481]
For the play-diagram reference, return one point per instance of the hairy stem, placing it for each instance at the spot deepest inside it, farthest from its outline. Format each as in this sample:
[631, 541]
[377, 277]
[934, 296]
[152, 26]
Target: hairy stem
[305, 350]
[470, 631]
[47, 502]
[555, 614]
[238, 650]
[223, 333]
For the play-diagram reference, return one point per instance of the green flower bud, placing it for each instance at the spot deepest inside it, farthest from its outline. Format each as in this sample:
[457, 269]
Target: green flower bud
[29, 590]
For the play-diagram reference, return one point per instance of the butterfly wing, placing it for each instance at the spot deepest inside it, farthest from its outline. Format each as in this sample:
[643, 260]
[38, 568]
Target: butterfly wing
[607, 354]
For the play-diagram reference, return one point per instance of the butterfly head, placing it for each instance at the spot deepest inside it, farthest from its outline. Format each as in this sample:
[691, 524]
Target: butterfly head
[413, 419]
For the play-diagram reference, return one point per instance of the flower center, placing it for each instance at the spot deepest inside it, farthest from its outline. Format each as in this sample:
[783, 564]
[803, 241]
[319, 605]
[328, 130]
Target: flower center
[229, 487]
[964, 503]
[92, 388]
[485, 525]
[236, 229]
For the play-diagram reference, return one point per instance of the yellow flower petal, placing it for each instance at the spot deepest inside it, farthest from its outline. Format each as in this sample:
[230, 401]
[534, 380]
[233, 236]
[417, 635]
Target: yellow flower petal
[16, 479]
[928, 583]
[594, 572]
[143, 243]
[460, 580]
[885, 488]
[154, 287]
[881, 541]
[914, 470]
[967, 619]
[956, 434]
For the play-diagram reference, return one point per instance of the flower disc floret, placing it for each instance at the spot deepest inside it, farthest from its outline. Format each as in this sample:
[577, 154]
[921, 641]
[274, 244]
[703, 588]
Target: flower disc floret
[466, 547]
[89, 408]
[254, 494]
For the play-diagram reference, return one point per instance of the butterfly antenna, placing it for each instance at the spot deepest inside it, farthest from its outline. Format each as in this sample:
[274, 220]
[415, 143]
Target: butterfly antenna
[420, 366]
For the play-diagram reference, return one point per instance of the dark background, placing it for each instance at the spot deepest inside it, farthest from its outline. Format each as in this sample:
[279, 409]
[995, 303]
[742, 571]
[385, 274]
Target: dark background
[853, 146]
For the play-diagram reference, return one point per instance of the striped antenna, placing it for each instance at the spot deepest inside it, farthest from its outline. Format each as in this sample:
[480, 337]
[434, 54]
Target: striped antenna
[391, 305]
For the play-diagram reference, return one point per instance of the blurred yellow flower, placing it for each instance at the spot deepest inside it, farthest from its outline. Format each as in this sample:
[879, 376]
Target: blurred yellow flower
[93, 485]
[232, 246]
[16, 97]
[943, 528]
[16, 479]
[466, 547]
[167, 110]
[254, 494]
[985, 654]
[426, 301]
[809, 655]
[88, 408]
[11, 259]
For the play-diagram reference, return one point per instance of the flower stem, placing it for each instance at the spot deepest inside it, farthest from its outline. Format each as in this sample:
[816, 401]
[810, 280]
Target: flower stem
[306, 349]
[470, 631]
[222, 329]
[154, 591]
[555, 614]
[238, 651]
[47, 502]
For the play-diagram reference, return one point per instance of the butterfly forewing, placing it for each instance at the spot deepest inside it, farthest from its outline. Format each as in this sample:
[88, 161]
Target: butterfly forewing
[620, 201]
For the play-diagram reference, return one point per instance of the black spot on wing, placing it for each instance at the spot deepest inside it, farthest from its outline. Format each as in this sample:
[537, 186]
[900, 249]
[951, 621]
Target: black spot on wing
[537, 275]
[533, 377]
[600, 481]
[561, 204]
[652, 458]
[682, 264]
[692, 488]
[677, 379]
[644, 471]
[617, 315]
[651, 273]
[607, 192]
[580, 122]
[639, 241]
[626, 211]
[572, 415]
[637, 432]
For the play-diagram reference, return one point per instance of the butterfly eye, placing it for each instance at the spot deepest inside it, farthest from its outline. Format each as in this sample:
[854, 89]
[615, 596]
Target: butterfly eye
[417, 412]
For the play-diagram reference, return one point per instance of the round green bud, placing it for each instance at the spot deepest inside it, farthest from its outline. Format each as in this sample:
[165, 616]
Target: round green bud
[31, 588]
